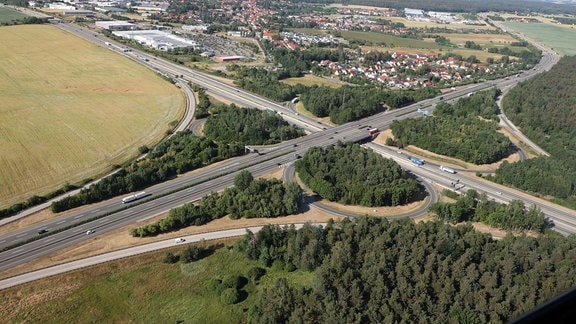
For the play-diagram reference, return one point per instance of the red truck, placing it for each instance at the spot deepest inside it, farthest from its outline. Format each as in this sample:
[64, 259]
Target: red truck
[373, 131]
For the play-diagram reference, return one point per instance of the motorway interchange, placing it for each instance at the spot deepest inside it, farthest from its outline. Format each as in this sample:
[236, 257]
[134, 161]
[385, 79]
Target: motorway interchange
[109, 215]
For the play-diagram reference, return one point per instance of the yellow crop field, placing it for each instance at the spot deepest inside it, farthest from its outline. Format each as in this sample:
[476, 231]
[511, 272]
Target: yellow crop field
[71, 109]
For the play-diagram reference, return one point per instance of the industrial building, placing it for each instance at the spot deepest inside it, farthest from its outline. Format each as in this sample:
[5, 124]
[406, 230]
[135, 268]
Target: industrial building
[116, 25]
[157, 39]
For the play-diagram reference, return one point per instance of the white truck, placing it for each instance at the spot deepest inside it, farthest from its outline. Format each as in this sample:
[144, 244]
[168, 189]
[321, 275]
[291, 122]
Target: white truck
[449, 170]
[132, 198]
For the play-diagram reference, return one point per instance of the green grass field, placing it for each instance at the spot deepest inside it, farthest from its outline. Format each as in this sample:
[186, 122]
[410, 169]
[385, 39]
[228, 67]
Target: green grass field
[8, 15]
[71, 109]
[141, 290]
[562, 39]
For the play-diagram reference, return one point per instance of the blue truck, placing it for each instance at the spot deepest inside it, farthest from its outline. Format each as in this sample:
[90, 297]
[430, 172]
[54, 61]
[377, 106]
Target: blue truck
[415, 160]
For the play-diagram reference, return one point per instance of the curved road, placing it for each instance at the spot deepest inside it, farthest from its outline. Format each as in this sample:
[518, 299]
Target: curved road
[113, 214]
[124, 253]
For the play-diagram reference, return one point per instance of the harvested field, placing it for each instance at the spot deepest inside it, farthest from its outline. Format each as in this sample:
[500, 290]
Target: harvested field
[71, 109]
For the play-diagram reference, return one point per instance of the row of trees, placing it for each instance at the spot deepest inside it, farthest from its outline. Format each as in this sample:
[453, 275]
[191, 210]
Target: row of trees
[248, 126]
[180, 153]
[456, 131]
[373, 271]
[545, 109]
[353, 175]
[476, 207]
[249, 198]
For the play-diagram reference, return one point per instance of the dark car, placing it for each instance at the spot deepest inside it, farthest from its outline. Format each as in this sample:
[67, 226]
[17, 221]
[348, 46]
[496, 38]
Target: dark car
[42, 231]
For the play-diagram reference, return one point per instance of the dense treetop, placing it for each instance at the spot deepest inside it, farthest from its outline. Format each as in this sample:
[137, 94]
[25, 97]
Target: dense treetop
[456, 131]
[353, 175]
[544, 108]
[350, 103]
[249, 198]
[477, 207]
[374, 271]
[248, 126]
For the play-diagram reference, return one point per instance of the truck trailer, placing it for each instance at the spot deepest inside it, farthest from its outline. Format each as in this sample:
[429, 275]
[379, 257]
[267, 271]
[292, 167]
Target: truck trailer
[132, 198]
[449, 170]
[415, 160]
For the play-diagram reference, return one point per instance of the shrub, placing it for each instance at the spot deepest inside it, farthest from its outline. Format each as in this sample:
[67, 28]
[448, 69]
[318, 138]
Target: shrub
[230, 296]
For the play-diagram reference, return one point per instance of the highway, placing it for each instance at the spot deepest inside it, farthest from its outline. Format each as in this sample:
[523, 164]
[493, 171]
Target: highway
[192, 187]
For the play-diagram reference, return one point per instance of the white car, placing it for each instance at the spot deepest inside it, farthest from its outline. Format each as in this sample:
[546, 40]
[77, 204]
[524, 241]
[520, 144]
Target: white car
[88, 232]
[179, 240]
[498, 193]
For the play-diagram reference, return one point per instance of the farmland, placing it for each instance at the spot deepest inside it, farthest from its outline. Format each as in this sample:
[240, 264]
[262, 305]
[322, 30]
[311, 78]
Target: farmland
[562, 39]
[70, 110]
[9, 15]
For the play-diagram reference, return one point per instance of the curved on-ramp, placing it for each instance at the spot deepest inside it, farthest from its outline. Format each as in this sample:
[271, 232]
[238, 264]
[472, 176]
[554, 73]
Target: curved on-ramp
[288, 176]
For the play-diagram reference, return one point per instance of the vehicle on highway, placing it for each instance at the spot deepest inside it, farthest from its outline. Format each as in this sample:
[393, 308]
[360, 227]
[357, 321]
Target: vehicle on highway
[88, 232]
[179, 240]
[137, 196]
[42, 231]
[415, 160]
[449, 170]
[498, 193]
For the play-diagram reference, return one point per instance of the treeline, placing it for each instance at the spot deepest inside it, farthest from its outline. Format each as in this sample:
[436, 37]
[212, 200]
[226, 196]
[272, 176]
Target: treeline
[295, 63]
[248, 126]
[37, 200]
[180, 153]
[350, 103]
[476, 207]
[527, 57]
[544, 107]
[26, 21]
[455, 133]
[265, 83]
[203, 105]
[353, 175]
[249, 198]
[481, 104]
[461, 6]
[374, 271]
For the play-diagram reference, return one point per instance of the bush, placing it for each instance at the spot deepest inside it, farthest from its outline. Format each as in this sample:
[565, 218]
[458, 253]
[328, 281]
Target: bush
[170, 258]
[230, 296]
[143, 149]
[231, 282]
[255, 273]
[192, 253]
[214, 284]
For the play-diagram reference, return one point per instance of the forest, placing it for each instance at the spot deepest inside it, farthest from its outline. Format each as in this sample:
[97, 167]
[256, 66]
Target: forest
[544, 108]
[248, 126]
[473, 206]
[457, 131]
[180, 153]
[353, 175]
[248, 198]
[350, 103]
[371, 270]
[519, 6]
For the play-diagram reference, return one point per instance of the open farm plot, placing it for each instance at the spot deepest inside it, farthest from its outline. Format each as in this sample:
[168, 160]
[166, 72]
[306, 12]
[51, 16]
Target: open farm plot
[8, 15]
[388, 40]
[480, 55]
[311, 80]
[486, 40]
[71, 109]
[561, 39]
[432, 24]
